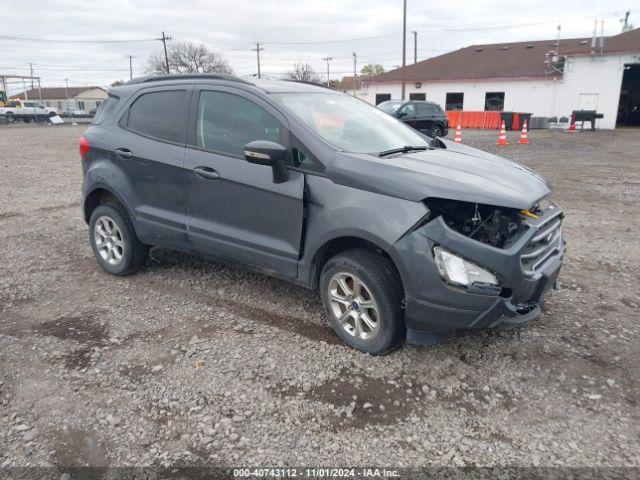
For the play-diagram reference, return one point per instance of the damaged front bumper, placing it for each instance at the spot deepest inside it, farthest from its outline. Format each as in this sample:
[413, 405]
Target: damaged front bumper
[527, 270]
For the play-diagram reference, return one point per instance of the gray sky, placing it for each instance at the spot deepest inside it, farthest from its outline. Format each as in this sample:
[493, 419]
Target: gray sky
[231, 28]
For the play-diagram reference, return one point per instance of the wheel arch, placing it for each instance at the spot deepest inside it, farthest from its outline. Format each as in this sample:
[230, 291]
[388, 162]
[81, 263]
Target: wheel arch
[338, 244]
[100, 195]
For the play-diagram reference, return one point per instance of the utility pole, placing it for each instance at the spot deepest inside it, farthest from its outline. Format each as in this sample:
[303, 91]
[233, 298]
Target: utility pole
[131, 57]
[327, 59]
[355, 74]
[404, 47]
[258, 49]
[415, 46]
[625, 26]
[164, 39]
[66, 91]
[31, 73]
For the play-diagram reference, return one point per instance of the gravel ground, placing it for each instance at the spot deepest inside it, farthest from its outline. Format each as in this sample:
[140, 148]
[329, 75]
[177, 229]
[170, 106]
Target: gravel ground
[197, 363]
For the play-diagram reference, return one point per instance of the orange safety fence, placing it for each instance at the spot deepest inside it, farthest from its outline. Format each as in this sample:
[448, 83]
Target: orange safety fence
[481, 120]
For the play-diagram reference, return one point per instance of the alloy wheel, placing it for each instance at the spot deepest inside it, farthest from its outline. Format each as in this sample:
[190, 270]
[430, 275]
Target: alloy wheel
[108, 240]
[353, 304]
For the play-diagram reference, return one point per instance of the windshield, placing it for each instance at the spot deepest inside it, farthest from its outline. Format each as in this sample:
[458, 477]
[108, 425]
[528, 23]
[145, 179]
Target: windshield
[389, 107]
[350, 124]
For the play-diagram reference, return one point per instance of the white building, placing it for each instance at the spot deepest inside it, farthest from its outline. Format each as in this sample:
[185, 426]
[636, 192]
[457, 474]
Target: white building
[62, 98]
[546, 78]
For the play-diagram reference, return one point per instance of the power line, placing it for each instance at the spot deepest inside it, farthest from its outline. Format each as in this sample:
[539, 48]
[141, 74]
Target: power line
[68, 40]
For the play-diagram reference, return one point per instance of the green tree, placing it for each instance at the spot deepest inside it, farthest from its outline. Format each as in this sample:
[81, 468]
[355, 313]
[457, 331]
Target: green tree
[371, 70]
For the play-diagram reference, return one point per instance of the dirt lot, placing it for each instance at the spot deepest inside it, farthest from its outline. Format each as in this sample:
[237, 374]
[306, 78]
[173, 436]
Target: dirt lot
[193, 362]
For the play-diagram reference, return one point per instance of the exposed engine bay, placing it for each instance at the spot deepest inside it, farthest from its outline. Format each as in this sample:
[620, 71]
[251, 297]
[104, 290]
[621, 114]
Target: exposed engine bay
[495, 226]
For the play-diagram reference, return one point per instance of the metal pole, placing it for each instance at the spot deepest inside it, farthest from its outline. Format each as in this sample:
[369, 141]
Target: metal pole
[66, 91]
[415, 46]
[404, 47]
[130, 66]
[355, 67]
[258, 49]
[31, 74]
[327, 59]
[39, 90]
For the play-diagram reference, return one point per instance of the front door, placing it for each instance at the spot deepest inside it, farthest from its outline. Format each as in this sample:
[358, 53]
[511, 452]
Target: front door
[408, 114]
[236, 211]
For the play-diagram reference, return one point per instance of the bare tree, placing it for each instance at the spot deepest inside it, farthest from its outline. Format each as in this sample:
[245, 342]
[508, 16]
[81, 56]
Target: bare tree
[303, 72]
[187, 57]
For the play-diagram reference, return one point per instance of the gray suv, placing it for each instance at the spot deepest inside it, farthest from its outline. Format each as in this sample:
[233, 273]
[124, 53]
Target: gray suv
[404, 236]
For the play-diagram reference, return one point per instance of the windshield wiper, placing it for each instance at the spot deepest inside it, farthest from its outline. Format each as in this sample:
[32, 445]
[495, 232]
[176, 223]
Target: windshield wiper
[405, 149]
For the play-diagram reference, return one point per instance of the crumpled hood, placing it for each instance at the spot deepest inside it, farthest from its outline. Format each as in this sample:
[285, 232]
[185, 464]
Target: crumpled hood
[457, 172]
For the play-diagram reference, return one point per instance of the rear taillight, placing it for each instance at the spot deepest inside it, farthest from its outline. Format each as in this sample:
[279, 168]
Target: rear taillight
[84, 147]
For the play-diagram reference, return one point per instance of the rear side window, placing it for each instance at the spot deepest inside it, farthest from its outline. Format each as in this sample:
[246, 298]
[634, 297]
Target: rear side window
[159, 115]
[425, 109]
[105, 109]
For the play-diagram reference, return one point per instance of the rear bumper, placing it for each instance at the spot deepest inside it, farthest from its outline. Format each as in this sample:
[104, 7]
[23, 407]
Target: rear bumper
[432, 307]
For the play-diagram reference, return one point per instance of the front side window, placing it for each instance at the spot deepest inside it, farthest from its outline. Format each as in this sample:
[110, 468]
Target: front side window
[409, 110]
[390, 107]
[349, 124]
[227, 122]
[159, 115]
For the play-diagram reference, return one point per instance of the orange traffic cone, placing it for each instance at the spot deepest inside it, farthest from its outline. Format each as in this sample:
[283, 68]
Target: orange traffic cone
[524, 136]
[458, 137]
[502, 139]
[572, 125]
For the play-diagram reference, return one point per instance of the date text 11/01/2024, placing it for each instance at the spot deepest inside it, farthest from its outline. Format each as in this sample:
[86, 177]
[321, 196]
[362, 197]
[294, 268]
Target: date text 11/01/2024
[315, 473]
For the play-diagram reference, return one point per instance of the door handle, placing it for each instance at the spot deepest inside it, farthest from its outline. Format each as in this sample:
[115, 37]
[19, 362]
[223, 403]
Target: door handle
[206, 173]
[124, 153]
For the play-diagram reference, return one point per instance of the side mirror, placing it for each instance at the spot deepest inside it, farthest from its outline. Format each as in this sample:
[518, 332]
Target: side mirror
[402, 114]
[270, 154]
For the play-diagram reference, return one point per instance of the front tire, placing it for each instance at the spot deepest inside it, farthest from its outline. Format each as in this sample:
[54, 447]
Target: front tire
[362, 296]
[436, 131]
[114, 241]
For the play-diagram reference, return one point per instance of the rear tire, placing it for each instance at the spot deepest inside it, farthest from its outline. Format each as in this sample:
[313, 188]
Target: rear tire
[114, 241]
[10, 117]
[362, 296]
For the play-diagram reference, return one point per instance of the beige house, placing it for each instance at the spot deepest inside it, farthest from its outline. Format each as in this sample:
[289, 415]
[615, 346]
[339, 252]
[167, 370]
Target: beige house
[62, 98]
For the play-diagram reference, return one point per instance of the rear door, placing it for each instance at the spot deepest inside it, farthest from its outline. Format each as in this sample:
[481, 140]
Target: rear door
[236, 211]
[424, 117]
[150, 149]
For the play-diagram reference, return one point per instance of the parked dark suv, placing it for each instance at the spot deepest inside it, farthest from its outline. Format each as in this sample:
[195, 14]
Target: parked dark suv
[403, 235]
[426, 117]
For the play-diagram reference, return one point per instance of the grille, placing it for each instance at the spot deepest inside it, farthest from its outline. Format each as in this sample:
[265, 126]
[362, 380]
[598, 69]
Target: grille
[543, 245]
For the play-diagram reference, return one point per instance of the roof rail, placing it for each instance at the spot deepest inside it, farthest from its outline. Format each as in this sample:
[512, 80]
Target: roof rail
[188, 76]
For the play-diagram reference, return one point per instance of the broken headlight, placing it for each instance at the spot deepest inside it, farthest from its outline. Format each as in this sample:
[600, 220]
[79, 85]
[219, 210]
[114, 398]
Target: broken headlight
[459, 271]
